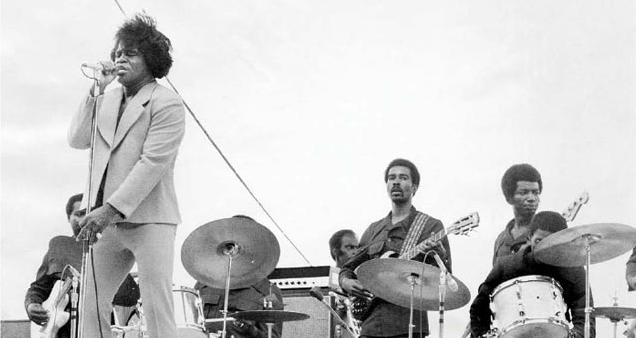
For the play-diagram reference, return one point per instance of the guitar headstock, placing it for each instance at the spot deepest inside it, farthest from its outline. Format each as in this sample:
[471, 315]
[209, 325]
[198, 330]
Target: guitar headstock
[573, 209]
[464, 225]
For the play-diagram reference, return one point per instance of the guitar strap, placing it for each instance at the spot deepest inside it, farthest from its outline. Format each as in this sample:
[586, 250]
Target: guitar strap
[415, 231]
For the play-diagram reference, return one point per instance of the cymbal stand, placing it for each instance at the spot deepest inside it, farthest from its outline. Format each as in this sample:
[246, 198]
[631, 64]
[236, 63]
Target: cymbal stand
[270, 326]
[413, 279]
[589, 240]
[87, 246]
[230, 250]
[615, 320]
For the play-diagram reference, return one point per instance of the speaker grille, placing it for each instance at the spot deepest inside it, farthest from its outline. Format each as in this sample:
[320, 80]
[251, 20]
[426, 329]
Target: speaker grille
[319, 324]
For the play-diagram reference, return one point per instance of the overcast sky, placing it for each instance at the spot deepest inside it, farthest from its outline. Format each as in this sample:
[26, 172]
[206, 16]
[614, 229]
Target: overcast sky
[310, 100]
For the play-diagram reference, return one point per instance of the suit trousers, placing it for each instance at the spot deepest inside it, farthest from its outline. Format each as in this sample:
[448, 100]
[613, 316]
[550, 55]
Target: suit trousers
[151, 246]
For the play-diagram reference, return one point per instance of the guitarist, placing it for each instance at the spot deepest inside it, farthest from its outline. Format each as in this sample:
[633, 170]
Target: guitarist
[65, 250]
[384, 319]
[522, 186]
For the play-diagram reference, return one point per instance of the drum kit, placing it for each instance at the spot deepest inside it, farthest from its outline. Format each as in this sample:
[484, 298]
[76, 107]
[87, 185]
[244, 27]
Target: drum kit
[528, 306]
[227, 254]
[238, 252]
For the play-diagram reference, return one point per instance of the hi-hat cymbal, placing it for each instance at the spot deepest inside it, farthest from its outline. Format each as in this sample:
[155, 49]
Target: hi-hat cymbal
[255, 252]
[270, 316]
[390, 279]
[567, 247]
[614, 313]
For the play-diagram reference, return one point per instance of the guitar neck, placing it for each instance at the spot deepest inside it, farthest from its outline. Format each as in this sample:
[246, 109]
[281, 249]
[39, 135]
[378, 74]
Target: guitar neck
[414, 251]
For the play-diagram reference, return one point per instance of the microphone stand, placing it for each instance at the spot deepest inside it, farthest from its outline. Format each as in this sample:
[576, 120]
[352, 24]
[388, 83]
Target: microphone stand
[74, 300]
[442, 296]
[442, 290]
[316, 293]
[87, 246]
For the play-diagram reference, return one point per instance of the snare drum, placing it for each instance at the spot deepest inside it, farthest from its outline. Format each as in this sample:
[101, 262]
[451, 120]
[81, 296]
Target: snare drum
[188, 313]
[529, 306]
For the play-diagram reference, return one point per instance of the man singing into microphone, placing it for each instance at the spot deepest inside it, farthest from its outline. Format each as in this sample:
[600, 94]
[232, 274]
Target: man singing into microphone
[401, 229]
[140, 126]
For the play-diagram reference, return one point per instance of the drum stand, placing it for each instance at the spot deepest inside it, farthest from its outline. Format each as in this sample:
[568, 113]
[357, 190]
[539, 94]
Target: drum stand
[413, 279]
[589, 240]
[229, 250]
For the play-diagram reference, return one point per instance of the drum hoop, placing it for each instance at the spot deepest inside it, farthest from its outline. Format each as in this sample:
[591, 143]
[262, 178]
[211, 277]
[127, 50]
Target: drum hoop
[526, 279]
[520, 322]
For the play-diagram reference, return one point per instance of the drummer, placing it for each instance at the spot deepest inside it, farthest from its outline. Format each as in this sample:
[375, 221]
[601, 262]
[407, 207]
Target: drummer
[630, 272]
[523, 263]
[630, 276]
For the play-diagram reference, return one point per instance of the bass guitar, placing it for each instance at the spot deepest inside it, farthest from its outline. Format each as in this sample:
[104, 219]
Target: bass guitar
[573, 209]
[55, 305]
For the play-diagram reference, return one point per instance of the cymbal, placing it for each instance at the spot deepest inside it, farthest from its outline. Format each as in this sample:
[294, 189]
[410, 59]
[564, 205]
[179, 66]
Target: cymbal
[567, 247]
[614, 313]
[255, 252]
[389, 279]
[270, 316]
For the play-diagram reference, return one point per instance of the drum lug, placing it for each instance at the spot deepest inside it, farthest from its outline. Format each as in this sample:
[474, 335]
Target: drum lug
[522, 313]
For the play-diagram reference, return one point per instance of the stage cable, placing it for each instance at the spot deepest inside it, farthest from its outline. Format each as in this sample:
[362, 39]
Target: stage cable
[99, 319]
[207, 135]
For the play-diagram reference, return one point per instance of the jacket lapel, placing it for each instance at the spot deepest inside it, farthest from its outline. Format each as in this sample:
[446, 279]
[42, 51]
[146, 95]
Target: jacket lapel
[107, 118]
[134, 109]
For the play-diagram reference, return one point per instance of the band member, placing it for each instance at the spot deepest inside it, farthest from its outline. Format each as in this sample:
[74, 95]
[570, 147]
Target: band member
[630, 272]
[523, 263]
[245, 299]
[63, 251]
[630, 276]
[343, 245]
[385, 319]
[140, 126]
[522, 186]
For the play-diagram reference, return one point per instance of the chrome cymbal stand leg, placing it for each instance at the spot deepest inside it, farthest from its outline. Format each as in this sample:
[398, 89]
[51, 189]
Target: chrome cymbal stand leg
[589, 240]
[413, 280]
[269, 329]
[230, 250]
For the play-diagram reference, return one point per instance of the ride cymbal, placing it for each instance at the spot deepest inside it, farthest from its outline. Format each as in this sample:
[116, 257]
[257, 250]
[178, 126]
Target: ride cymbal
[390, 279]
[254, 249]
[566, 248]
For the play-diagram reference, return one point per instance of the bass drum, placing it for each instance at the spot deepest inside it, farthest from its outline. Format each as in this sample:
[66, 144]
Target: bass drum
[528, 307]
[187, 311]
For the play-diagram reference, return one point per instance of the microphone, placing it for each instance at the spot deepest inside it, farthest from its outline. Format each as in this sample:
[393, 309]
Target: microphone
[452, 284]
[107, 69]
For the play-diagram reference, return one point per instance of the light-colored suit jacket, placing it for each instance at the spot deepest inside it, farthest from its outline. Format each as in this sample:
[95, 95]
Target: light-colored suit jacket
[140, 153]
